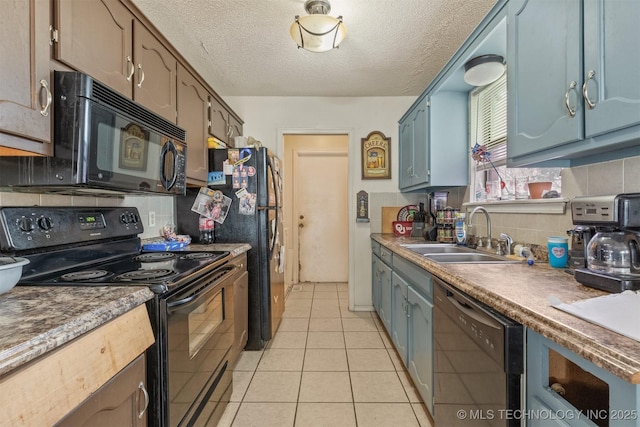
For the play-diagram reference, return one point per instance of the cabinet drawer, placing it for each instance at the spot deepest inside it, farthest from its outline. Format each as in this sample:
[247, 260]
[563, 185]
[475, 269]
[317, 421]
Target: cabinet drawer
[386, 256]
[418, 277]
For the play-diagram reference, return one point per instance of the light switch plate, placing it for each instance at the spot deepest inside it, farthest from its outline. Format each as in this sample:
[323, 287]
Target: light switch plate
[152, 219]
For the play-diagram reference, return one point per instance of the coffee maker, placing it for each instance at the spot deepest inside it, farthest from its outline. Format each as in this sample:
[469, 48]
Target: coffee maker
[604, 250]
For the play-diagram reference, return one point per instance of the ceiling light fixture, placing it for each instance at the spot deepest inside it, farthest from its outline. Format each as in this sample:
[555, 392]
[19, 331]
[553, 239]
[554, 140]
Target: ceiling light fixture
[318, 32]
[484, 69]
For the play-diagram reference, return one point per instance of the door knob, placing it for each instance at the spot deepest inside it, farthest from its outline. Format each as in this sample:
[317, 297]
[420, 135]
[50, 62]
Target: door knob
[301, 216]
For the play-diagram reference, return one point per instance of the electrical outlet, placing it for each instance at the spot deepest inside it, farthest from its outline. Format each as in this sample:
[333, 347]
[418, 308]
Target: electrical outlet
[152, 219]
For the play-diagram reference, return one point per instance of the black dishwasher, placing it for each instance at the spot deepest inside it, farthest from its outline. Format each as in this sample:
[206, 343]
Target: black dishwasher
[478, 362]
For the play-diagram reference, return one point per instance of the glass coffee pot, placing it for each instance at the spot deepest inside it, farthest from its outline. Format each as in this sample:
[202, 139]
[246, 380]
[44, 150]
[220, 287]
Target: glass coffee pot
[612, 252]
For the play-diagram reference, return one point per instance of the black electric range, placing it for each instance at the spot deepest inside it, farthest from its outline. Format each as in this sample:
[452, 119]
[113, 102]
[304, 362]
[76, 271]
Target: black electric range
[90, 246]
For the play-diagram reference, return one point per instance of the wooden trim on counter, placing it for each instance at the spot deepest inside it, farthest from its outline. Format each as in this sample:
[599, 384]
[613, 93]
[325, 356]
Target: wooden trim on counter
[45, 390]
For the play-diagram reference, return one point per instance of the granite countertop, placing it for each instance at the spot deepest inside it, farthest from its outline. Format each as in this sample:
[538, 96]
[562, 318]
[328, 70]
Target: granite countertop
[521, 292]
[37, 319]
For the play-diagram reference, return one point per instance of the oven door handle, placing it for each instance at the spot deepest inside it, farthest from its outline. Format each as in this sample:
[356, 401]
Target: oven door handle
[199, 294]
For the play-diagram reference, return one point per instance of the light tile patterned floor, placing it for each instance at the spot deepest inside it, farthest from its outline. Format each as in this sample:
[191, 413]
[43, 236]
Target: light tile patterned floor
[326, 366]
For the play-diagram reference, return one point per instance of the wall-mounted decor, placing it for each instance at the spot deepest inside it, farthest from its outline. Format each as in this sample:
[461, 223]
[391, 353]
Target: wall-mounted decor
[362, 202]
[376, 156]
[133, 148]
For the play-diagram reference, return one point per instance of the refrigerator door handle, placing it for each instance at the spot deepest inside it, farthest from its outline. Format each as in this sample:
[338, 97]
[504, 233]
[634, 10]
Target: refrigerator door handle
[275, 192]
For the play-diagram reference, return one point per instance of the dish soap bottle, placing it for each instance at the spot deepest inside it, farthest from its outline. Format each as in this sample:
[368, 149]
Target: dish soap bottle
[461, 229]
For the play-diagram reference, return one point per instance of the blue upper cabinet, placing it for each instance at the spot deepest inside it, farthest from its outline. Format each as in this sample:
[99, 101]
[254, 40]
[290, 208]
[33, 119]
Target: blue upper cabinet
[544, 57]
[434, 147]
[611, 65]
[414, 146]
[566, 107]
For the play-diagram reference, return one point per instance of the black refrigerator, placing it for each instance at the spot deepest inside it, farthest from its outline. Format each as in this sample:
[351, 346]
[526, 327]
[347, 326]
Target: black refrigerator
[252, 179]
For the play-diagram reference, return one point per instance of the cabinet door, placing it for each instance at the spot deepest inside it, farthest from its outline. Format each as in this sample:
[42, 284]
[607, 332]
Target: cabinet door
[96, 37]
[421, 144]
[543, 63]
[120, 402]
[376, 273]
[155, 77]
[25, 123]
[219, 117]
[399, 308]
[414, 147]
[235, 129]
[420, 351]
[241, 312]
[385, 296]
[193, 106]
[614, 87]
[405, 169]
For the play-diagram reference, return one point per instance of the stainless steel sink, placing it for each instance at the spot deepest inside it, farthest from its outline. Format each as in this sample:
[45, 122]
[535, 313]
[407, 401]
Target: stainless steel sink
[451, 253]
[437, 248]
[470, 258]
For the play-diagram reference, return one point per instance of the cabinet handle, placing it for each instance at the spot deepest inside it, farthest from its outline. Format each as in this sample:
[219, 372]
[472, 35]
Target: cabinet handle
[132, 68]
[146, 399]
[570, 109]
[45, 109]
[140, 75]
[585, 94]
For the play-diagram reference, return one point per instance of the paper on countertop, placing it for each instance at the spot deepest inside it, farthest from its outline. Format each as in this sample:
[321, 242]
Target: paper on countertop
[617, 312]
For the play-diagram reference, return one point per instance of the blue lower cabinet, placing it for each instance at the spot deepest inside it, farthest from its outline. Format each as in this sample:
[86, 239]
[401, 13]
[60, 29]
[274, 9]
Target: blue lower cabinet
[385, 295]
[564, 389]
[399, 321]
[376, 274]
[402, 296]
[420, 345]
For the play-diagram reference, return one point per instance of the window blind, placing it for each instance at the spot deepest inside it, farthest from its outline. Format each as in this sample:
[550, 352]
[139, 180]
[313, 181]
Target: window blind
[488, 120]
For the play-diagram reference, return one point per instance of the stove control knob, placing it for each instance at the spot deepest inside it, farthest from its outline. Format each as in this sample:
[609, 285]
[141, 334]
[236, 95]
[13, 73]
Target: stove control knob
[124, 218]
[26, 224]
[45, 223]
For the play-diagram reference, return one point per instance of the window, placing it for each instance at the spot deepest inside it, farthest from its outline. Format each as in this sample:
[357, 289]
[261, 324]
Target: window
[490, 178]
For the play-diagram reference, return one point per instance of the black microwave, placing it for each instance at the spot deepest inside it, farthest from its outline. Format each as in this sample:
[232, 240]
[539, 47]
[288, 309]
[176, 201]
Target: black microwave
[104, 143]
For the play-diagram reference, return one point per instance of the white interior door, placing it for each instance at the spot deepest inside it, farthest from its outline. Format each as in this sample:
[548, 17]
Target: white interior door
[316, 181]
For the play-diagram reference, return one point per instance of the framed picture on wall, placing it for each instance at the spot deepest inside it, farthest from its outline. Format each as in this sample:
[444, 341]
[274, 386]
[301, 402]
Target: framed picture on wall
[376, 156]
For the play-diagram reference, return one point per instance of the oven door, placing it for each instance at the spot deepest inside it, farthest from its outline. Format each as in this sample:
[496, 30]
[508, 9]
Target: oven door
[199, 338]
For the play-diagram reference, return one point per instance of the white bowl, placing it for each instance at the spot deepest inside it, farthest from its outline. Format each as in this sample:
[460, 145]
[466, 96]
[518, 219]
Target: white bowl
[10, 272]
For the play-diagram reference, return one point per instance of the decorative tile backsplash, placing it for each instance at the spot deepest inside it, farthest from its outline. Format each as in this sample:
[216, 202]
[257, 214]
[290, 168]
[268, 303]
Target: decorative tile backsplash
[612, 177]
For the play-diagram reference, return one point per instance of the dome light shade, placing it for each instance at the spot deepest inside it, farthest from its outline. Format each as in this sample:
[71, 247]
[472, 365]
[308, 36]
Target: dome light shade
[484, 69]
[318, 32]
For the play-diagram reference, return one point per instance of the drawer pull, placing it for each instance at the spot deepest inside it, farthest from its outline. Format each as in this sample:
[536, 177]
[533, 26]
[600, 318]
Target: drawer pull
[146, 399]
[585, 94]
[570, 109]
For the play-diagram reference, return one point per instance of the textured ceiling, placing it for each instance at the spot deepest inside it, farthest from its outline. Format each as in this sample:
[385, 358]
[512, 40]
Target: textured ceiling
[243, 48]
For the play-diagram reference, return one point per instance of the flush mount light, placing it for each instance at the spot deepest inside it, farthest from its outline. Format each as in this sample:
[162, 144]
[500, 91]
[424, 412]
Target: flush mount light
[484, 69]
[318, 32]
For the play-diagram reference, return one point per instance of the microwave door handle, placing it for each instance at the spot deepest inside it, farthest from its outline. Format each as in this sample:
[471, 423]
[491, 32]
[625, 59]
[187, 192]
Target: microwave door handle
[167, 148]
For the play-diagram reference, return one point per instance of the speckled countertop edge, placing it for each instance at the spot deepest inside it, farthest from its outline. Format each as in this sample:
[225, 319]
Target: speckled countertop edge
[521, 292]
[37, 319]
[234, 249]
